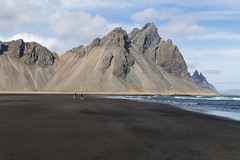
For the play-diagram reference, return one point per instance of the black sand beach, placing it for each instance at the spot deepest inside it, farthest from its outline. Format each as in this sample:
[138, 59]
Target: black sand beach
[56, 127]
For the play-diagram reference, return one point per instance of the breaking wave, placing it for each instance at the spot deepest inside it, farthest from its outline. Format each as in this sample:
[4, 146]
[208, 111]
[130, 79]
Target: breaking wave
[224, 105]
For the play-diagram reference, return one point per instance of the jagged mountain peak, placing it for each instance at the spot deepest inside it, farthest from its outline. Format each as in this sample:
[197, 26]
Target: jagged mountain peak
[116, 38]
[28, 52]
[18, 41]
[76, 50]
[148, 43]
[149, 26]
[195, 73]
[134, 32]
[198, 76]
[26, 66]
[146, 38]
[169, 42]
[201, 81]
[117, 31]
[81, 50]
[150, 32]
[13, 48]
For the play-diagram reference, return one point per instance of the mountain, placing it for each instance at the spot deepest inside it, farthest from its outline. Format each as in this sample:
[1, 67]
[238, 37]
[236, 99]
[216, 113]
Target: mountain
[138, 61]
[201, 81]
[25, 66]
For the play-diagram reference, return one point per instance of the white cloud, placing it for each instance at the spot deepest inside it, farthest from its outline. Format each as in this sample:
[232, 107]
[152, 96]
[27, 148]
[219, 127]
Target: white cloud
[186, 3]
[176, 22]
[95, 4]
[51, 43]
[188, 28]
[49, 17]
[79, 26]
[151, 14]
[147, 15]
[217, 15]
[192, 64]
[218, 36]
[20, 14]
[180, 24]
[212, 3]
[227, 51]
[211, 71]
[182, 28]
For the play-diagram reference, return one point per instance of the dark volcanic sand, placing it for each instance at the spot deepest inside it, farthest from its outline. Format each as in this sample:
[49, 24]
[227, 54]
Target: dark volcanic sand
[56, 127]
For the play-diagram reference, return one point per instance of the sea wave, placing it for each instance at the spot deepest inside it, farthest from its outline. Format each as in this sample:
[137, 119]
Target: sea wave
[217, 98]
[236, 98]
[231, 115]
[225, 106]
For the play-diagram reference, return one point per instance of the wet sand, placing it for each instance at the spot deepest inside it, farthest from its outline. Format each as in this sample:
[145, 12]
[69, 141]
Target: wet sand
[56, 127]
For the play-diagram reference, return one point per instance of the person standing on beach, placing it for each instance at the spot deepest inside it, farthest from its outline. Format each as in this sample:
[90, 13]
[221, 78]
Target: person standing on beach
[81, 97]
[74, 96]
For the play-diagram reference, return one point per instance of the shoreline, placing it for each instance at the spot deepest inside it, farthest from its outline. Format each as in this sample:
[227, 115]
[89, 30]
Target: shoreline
[117, 93]
[221, 115]
[233, 116]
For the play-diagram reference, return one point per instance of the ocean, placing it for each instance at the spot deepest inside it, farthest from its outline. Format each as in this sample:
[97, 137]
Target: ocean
[223, 106]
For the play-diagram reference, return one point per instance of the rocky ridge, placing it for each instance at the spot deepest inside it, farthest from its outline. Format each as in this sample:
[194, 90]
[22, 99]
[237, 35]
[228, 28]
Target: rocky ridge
[163, 53]
[25, 66]
[30, 53]
[201, 81]
[138, 61]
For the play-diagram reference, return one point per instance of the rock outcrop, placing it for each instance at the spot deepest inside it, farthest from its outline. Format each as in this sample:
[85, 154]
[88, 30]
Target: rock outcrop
[25, 66]
[146, 39]
[170, 59]
[29, 53]
[138, 61]
[201, 81]
[163, 53]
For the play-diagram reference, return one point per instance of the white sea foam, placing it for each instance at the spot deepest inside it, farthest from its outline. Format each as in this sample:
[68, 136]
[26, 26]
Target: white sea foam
[217, 98]
[115, 97]
[231, 115]
[236, 98]
[191, 103]
[220, 98]
[183, 97]
[224, 98]
[213, 106]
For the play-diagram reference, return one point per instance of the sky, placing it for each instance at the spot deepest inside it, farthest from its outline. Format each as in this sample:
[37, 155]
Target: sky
[206, 32]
